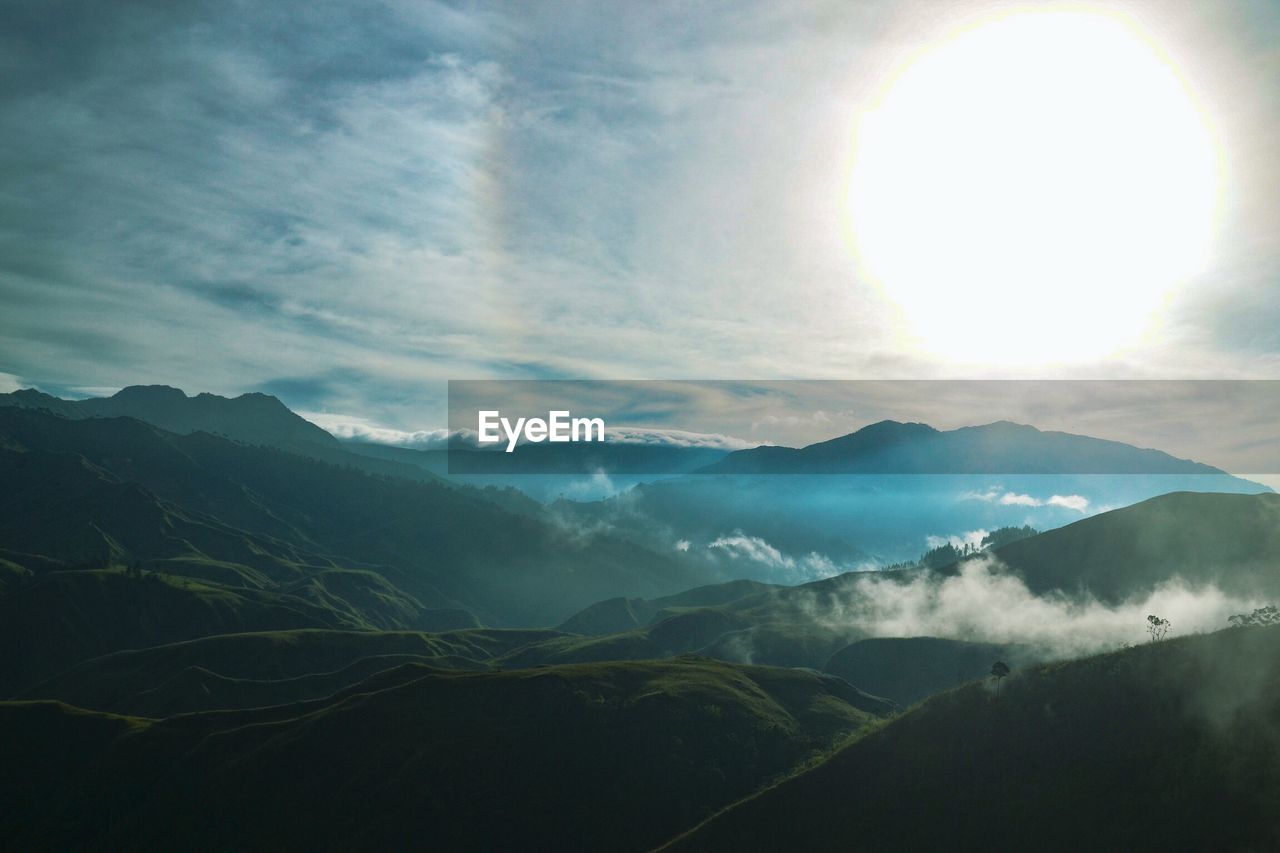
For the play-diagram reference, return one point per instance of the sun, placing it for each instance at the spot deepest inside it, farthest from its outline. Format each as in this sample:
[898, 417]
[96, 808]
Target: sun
[1031, 188]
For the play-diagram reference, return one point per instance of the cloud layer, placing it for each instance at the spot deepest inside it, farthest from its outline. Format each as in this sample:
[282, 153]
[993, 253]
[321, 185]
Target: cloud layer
[346, 204]
[1079, 503]
[985, 602]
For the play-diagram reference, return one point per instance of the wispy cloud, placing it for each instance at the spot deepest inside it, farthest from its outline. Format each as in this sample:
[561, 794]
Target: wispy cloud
[971, 539]
[984, 601]
[1078, 503]
[10, 383]
[777, 566]
[676, 438]
[353, 428]
[383, 196]
[356, 428]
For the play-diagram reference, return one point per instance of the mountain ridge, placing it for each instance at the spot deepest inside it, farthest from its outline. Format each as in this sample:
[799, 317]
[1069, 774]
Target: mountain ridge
[1163, 746]
[999, 447]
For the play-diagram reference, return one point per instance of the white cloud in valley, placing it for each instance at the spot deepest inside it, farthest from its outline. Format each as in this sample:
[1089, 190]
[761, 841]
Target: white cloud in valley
[983, 601]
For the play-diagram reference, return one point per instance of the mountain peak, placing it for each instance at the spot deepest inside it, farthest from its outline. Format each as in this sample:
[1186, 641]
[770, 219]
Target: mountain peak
[892, 427]
[1000, 447]
[149, 393]
[879, 434]
[257, 397]
[1003, 426]
[29, 394]
[255, 418]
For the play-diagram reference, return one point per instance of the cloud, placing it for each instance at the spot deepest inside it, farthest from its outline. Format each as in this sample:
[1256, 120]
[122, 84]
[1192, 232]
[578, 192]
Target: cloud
[675, 438]
[779, 567]
[422, 192]
[355, 428]
[10, 383]
[419, 192]
[597, 487]
[972, 538]
[985, 602]
[1078, 503]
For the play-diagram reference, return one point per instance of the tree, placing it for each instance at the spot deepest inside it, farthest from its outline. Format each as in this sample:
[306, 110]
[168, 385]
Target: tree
[999, 670]
[1158, 627]
[1261, 617]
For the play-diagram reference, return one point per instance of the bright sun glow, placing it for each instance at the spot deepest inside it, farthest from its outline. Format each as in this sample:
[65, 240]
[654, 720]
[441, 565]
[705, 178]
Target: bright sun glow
[1029, 189]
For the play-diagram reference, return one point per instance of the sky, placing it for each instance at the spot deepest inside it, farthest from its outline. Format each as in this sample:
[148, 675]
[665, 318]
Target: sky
[347, 205]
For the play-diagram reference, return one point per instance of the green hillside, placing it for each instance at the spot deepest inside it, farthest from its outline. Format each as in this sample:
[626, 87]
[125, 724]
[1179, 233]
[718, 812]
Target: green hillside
[625, 614]
[909, 669]
[63, 618]
[105, 489]
[1169, 746]
[1230, 540]
[250, 670]
[616, 756]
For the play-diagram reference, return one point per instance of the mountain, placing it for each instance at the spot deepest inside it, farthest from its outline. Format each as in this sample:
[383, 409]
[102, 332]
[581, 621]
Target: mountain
[890, 447]
[626, 614]
[1232, 541]
[116, 534]
[546, 472]
[259, 669]
[1167, 746]
[612, 457]
[779, 626]
[910, 669]
[602, 757]
[249, 418]
[882, 495]
[253, 419]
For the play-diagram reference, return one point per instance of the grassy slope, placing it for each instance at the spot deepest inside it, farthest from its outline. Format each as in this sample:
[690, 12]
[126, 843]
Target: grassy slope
[66, 617]
[238, 671]
[1230, 540]
[446, 547]
[617, 615]
[615, 756]
[1174, 746]
[910, 669]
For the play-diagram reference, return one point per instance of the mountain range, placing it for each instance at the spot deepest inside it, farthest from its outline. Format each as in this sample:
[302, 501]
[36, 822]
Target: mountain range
[225, 631]
[1003, 447]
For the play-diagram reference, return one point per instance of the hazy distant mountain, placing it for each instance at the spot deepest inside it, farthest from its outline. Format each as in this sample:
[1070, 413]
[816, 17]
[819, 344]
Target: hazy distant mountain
[255, 419]
[249, 418]
[890, 447]
[879, 495]
[548, 472]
